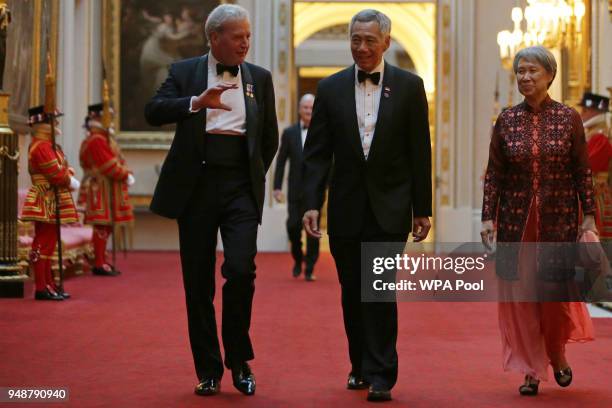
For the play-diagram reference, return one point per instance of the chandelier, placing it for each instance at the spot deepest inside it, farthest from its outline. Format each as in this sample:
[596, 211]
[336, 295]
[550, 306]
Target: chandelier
[551, 23]
[561, 25]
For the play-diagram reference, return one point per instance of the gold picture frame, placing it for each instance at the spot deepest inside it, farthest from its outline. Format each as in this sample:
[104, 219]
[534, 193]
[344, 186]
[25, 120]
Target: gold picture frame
[34, 27]
[129, 40]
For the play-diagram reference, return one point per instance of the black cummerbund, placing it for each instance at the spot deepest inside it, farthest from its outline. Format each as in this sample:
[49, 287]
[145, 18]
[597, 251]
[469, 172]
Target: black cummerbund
[226, 150]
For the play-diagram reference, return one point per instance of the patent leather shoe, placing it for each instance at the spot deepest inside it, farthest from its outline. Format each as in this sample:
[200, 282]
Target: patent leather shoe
[243, 379]
[47, 295]
[356, 382]
[208, 386]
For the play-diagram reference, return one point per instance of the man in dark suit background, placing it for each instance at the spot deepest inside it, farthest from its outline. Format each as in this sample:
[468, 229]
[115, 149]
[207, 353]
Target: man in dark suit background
[370, 123]
[213, 179]
[291, 147]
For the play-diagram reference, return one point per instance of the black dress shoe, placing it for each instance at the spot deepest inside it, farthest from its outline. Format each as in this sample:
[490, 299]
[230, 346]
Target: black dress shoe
[63, 294]
[102, 271]
[243, 378]
[378, 394]
[47, 295]
[208, 386]
[564, 377]
[308, 274]
[356, 383]
[297, 269]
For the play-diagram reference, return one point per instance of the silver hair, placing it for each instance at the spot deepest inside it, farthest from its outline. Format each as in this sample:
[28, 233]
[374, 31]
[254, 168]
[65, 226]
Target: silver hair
[305, 97]
[222, 14]
[367, 15]
[540, 55]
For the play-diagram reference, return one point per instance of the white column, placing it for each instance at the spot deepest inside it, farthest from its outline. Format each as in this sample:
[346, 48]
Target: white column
[68, 85]
[455, 167]
[95, 19]
[272, 48]
[73, 85]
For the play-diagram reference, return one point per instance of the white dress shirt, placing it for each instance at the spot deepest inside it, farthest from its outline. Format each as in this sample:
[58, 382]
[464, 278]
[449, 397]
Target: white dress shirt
[304, 131]
[367, 99]
[220, 121]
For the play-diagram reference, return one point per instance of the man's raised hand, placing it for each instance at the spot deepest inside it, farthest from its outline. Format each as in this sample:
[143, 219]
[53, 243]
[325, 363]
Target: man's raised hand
[211, 98]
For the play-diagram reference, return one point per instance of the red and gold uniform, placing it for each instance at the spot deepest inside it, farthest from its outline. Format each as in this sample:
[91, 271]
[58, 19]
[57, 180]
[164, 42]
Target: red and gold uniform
[594, 108]
[600, 154]
[106, 174]
[48, 169]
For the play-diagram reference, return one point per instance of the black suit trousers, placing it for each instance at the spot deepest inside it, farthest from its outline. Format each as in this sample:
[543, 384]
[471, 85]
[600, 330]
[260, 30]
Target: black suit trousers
[294, 230]
[222, 201]
[371, 327]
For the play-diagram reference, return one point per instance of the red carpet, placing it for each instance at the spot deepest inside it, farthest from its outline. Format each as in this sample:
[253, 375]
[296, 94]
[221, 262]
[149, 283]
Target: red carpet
[122, 342]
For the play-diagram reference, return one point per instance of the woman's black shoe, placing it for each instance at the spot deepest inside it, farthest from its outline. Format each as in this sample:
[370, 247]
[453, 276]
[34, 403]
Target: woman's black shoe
[47, 295]
[530, 387]
[564, 377]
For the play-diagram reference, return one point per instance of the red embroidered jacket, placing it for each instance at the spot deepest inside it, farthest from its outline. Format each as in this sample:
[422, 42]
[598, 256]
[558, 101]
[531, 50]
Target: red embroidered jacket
[538, 160]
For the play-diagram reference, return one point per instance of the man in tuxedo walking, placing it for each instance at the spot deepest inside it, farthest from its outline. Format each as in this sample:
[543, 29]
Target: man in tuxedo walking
[370, 123]
[213, 179]
[291, 147]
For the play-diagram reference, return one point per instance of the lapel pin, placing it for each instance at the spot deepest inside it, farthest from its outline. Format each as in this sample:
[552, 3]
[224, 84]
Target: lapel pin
[386, 94]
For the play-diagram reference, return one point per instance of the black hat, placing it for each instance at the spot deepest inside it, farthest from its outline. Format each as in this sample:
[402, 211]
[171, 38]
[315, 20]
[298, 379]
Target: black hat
[95, 109]
[594, 101]
[37, 114]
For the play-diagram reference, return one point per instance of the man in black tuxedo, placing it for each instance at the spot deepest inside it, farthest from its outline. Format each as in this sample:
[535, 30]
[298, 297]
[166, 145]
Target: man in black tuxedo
[291, 147]
[213, 179]
[370, 123]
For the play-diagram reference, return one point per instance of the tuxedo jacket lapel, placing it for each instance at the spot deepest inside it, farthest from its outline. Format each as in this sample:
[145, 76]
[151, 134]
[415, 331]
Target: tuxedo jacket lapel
[385, 109]
[350, 111]
[200, 84]
[250, 105]
[298, 139]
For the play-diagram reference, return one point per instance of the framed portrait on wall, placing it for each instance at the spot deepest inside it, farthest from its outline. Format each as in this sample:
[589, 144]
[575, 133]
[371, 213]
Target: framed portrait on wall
[141, 38]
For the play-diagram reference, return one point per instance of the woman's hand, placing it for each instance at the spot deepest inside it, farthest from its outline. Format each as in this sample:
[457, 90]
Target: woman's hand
[488, 234]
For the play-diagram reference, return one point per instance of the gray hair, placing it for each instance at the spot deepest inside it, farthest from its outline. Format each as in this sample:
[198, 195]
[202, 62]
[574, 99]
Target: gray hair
[306, 97]
[222, 14]
[540, 55]
[367, 15]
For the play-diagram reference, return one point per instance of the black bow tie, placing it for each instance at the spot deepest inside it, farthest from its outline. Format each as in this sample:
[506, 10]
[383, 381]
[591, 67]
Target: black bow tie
[374, 76]
[232, 69]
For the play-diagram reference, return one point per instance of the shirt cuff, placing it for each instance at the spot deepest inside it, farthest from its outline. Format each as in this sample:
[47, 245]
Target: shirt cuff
[191, 110]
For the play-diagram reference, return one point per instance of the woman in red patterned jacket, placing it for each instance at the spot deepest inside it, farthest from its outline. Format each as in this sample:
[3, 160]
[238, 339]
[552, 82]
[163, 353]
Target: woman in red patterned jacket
[48, 169]
[537, 179]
